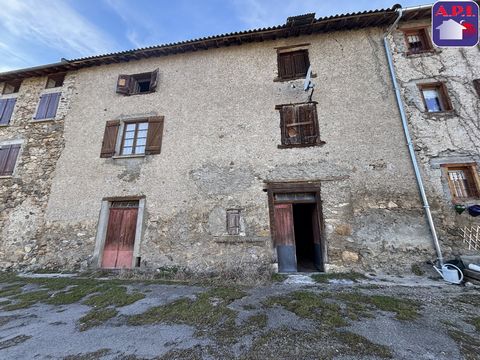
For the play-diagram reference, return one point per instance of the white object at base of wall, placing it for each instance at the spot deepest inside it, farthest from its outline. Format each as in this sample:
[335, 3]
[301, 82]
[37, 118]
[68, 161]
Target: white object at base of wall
[474, 267]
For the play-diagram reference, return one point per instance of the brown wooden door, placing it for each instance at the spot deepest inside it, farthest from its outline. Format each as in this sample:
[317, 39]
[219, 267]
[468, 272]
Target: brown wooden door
[118, 250]
[285, 238]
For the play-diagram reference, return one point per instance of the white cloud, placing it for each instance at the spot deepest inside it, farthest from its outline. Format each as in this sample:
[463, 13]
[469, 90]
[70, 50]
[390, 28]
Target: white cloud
[51, 24]
[141, 29]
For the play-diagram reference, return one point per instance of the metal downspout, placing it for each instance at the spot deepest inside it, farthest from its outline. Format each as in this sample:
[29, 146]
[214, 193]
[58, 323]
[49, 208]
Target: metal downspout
[413, 157]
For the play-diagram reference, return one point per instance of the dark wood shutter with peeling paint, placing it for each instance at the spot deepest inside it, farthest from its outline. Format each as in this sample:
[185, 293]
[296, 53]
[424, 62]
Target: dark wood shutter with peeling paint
[8, 159]
[154, 136]
[476, 84]
[233, 222]
[154, 80]
[293, 64]
[125, 84]
[6, 110]
[299, 125]
[110, 138]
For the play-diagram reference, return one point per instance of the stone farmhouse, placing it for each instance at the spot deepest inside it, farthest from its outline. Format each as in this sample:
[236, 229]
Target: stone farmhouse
[210, 155]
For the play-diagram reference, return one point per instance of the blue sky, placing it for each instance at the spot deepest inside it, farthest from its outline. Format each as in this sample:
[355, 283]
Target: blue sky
[35, 32]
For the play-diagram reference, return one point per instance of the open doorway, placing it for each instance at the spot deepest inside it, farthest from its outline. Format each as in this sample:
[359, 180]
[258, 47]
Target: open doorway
[304, 237]
[297, 223]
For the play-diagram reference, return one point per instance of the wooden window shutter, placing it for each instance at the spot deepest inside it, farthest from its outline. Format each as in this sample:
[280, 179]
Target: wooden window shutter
[476, 84]
[300, 63]
[6, 110]
[125, 84]
[308, 123]
[290, 133]
[233, 222]
[8, 159]
[154, 80]
[110, 138]
[52, 105]
[42, 107]
[154, 136]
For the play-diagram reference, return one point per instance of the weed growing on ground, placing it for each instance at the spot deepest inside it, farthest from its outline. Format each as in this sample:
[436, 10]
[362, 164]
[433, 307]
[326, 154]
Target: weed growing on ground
[359, 345]
[96, 317]
[469, 346]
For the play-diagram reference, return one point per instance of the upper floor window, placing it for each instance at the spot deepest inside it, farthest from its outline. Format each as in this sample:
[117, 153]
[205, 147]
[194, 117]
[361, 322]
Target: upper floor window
[138, 137]
[138, 83]
[435, 97]
[47, 106]
[8, 158]
[299, 125]
[462, 181]
[417, 41]
[11, 87]
[6, 110]
[293, 64]
[55, 80]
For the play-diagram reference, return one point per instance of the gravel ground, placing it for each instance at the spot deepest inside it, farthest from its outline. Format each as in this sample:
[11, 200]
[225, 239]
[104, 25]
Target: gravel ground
[375, 318]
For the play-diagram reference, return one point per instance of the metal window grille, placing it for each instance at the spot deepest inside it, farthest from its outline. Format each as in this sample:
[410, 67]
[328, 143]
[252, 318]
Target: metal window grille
[471, 237]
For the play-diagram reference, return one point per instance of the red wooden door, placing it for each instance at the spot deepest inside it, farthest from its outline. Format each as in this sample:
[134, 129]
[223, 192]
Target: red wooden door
[118, 249]
[285, 238]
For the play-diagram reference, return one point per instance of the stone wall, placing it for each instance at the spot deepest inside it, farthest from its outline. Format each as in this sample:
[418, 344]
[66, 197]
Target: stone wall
[220, 147]
[24, 196]
[452, 137]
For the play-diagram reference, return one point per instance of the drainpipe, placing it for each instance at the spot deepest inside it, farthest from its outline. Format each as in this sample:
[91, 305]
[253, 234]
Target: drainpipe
[413, 157]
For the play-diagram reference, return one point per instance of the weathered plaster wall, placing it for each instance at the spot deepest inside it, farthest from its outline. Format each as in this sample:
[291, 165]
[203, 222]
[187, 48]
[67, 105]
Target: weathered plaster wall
[442, 138]
[220, 146]
[24, 196]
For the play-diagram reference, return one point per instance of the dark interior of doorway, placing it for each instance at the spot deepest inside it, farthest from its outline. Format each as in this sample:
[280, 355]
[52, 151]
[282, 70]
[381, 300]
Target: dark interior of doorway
[303, 225]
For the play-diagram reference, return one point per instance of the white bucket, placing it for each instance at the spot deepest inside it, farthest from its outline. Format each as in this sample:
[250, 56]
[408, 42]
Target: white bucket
[450, 273]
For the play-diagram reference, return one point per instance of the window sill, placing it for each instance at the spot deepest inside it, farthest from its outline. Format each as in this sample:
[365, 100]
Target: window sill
[42, 120]
[278, 79]
[448, 113]
[6, 177]
[128, 156]
[321, 143]
[423, 53]
[4, 125]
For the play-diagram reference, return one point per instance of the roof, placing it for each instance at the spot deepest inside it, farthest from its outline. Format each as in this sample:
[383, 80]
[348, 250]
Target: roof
[295, 26]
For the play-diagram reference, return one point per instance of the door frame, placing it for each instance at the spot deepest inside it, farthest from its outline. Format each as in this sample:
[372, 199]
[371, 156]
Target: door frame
[103, 225]
[273, 188]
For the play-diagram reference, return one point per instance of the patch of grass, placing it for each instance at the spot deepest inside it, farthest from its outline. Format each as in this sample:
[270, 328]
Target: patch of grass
[417, 270]
[308, 305]
[276, 277]
[96, 317]
[359, 345]
[26, 300]
[476, 322]
[325, 278]
[114, 296]
[14, 341]
[469, 346]
[10, 290]
[88, 356]
[74, 294]
[207, 310]
[471, 299]
[404, 309]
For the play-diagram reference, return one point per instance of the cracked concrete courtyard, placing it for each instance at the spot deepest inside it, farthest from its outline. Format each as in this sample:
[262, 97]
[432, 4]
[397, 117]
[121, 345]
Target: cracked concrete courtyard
[297, 317]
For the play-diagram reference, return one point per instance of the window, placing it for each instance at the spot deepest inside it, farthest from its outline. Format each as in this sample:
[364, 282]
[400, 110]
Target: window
[299, 125]
[139, 137]
[6, 110]
[418, 41]
[435, 97]
[233, 222]
[47, 107]
[293, 65]
[462, 181]
[134, 138]
[12, 87]
[476, 85]
[55, 80]
[137, 84]
[8, 158]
